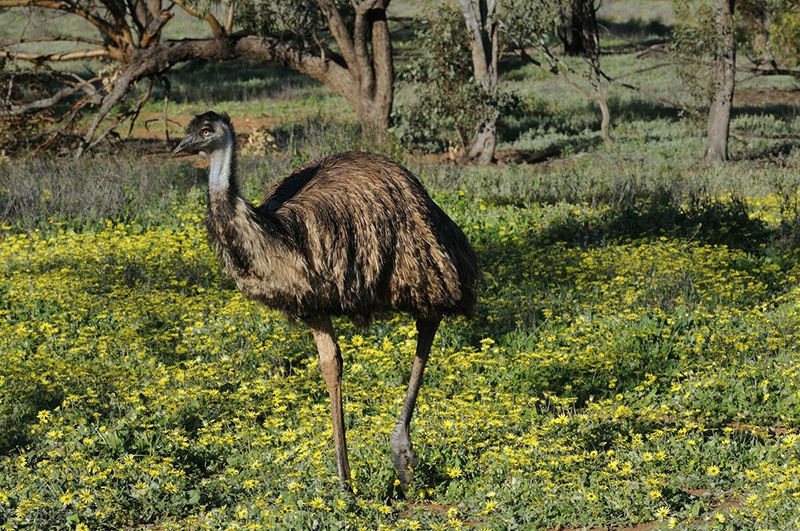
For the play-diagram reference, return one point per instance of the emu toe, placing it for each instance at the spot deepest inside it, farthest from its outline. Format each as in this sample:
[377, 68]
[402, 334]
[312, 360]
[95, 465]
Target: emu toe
[403, 457]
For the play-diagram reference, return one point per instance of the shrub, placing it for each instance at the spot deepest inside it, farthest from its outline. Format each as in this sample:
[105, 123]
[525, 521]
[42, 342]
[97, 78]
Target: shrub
[450, 103]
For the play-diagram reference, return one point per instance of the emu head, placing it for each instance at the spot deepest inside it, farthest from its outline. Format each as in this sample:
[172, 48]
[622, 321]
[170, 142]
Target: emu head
[206, 133]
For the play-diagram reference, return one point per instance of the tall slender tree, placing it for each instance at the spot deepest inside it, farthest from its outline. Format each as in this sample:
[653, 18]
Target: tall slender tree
[529, 26]
[719, 115]
[482, 24]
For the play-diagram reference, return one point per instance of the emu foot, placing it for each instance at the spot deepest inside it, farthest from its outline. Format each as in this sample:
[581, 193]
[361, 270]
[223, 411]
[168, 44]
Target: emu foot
[403, 457]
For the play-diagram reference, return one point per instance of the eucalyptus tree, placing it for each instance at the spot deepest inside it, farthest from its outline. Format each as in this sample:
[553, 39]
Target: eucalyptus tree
[533, 29]
[481, 17]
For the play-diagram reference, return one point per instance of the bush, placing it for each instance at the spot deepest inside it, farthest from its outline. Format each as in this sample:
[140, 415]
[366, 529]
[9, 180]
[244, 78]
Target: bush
[450, 103]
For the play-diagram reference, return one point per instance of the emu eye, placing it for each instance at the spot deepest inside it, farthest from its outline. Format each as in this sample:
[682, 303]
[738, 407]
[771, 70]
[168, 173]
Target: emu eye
[206, 132]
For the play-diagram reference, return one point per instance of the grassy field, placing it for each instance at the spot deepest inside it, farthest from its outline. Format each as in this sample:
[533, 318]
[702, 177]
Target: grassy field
[633, 364]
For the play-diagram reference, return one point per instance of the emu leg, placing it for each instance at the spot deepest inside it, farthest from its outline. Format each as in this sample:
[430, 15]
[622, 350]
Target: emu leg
[330, 361]
[403, 455]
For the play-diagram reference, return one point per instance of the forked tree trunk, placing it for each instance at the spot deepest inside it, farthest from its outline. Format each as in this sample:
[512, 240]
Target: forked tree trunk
[719, 116]
[368, 81]
[483, 30]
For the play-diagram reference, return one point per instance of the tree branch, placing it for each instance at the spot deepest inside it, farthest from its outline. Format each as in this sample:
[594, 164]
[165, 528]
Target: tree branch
[363, 64]
[382, 56]
[339, 31]
[156, 60]
[121, 24]
[774, 71]
[58, 57]
[11, 42]
[153, 29]
[16, 110]
[135, 113]
[216, 29]
[229, 18]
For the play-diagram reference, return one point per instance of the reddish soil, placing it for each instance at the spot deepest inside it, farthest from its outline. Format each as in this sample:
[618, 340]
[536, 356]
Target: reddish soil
[150, 125]
[767, 97]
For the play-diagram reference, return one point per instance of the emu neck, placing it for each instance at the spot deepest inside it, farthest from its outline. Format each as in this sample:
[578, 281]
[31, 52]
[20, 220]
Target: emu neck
[222, 172]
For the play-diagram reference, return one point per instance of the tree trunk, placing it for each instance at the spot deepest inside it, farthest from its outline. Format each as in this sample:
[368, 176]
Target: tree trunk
[368, 56]
[484, 142]
[719, 116]
[377, 102]
[585, 33]
[483, 30]
[582, 24]
[605, 123]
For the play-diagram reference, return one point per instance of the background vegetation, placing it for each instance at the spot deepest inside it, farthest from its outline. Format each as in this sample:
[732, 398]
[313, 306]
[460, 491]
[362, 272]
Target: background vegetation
[634, 361]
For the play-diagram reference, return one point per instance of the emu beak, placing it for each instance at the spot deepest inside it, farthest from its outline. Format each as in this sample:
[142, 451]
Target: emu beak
[185, 143]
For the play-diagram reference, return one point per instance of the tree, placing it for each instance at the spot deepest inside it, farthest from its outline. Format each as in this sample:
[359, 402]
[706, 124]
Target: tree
[535, 26]
[482, 25]
[452, 109]
[352, 54]
[768, 32]
[719, 115]
[707, 37]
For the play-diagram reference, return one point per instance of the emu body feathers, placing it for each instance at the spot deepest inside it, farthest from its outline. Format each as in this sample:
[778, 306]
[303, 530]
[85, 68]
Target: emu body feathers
[352, 234]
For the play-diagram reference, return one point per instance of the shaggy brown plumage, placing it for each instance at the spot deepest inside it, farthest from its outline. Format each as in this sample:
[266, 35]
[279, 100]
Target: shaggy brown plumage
[351, 234]
[361, 237]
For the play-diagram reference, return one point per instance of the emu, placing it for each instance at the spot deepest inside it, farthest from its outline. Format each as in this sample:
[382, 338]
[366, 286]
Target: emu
[352, 234]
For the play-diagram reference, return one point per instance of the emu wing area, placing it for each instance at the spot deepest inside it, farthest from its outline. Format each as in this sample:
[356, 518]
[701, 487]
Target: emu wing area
[373, 240]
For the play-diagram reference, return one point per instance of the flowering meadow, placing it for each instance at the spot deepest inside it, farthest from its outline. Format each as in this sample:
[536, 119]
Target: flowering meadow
[630, 363]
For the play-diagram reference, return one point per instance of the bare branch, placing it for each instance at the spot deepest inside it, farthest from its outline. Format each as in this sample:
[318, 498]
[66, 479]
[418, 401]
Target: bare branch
[135, 113]
[360, 46]
[216, 29]
[117, 13]
[229, 18]
[56, 57]
[167, 90]
[652, 95]
[153, 29]
[109, 130]
[11, 42]
[775, 71]
[382, 57]
[16, 110]
[654, 49]
[339, 30]
[646, 69]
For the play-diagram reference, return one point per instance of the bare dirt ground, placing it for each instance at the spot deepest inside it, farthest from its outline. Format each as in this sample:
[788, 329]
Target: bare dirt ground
[759, 97]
